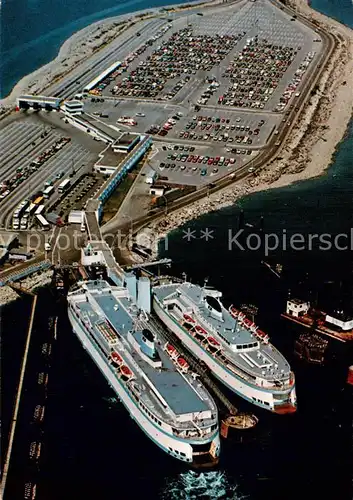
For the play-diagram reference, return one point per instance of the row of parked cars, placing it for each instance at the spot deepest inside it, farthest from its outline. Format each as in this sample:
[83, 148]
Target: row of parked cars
[219, 129]
[97, 91]
[23, 173]
[256, 72]
[294, 82]
[206, 160]
[182, 55]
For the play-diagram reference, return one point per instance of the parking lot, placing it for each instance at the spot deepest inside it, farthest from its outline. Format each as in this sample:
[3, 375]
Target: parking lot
[196, 165]
[252, 51]
[76, 197]
[225, 128]
[35, 154]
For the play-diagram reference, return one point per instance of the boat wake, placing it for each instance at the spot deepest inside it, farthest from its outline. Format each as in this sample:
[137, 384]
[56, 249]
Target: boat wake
[205, 485]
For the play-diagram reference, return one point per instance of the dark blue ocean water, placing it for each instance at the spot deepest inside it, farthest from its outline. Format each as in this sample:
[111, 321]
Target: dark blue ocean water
[92, 449]
[32, 31]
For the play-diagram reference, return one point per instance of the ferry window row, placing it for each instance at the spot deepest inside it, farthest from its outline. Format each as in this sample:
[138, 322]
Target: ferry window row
[261, 402]
[247, 346]
[152, 417]
[96, 344]
[177, 452]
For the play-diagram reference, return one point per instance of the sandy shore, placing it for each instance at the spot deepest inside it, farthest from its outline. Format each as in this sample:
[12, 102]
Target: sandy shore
[80, 46]
[309, 150]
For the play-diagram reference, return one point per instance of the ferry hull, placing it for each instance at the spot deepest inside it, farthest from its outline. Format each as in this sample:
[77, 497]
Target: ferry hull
[167, 443]
[278, 402]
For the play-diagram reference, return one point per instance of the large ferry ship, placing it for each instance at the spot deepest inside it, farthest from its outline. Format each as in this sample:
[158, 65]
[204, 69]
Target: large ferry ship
[154, 383]
[236, 351]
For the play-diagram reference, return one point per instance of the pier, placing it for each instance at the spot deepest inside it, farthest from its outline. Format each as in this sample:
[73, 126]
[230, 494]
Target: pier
[18, 399]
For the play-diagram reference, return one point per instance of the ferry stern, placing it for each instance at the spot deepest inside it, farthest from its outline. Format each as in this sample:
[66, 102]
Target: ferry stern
[204, 456]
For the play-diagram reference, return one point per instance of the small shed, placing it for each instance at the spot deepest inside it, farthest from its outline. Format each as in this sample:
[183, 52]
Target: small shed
[18, 254]
[157, 190]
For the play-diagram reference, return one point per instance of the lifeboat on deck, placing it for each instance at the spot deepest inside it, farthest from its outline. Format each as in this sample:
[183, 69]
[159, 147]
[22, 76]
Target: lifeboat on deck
[200, 331]
[262, 335]
[173, 353]
[116, 358]
[248, 323]
[125, 370]
[213, 342]
[182, 363]
[188, 319]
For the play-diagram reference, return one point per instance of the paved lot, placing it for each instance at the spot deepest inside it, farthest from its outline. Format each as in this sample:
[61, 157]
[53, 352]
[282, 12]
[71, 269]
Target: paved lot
[155, 113]
[76, 198]
[159, 113]
[22, 153]
[217, 45]
[226, 128]
[195, 166]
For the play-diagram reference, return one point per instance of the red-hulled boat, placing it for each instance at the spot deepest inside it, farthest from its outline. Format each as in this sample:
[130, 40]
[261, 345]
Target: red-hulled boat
[200, 330]
[125, 370]
[181, 362]
[172, 351]
[188, 319]
[213, 341]
[116, 358]
[262, 335]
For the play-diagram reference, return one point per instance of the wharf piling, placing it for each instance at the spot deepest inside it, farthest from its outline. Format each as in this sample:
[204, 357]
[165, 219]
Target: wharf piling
[18, 399]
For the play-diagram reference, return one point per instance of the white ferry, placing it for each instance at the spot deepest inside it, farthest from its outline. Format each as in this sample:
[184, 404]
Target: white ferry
[236, 351]
[148, 375]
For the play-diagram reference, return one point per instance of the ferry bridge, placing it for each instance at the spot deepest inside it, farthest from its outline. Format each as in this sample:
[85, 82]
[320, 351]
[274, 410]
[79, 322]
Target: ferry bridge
[97, 250]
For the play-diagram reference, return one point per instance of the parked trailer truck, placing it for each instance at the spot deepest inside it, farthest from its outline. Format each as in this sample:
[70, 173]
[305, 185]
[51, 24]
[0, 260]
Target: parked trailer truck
[64, 185]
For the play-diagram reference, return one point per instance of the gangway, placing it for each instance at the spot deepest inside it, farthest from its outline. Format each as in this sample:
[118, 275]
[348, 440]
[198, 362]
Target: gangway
[149, 264]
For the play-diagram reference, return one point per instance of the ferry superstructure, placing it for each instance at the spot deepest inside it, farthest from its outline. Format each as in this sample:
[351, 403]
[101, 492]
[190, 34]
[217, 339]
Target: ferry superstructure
[154, 383]
[234, 349]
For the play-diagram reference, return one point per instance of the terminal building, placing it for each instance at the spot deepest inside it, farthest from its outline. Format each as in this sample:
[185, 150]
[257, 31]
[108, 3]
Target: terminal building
[106, 73]
[38, 102]
[112, 156]
[74, 107]
[96, 129]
